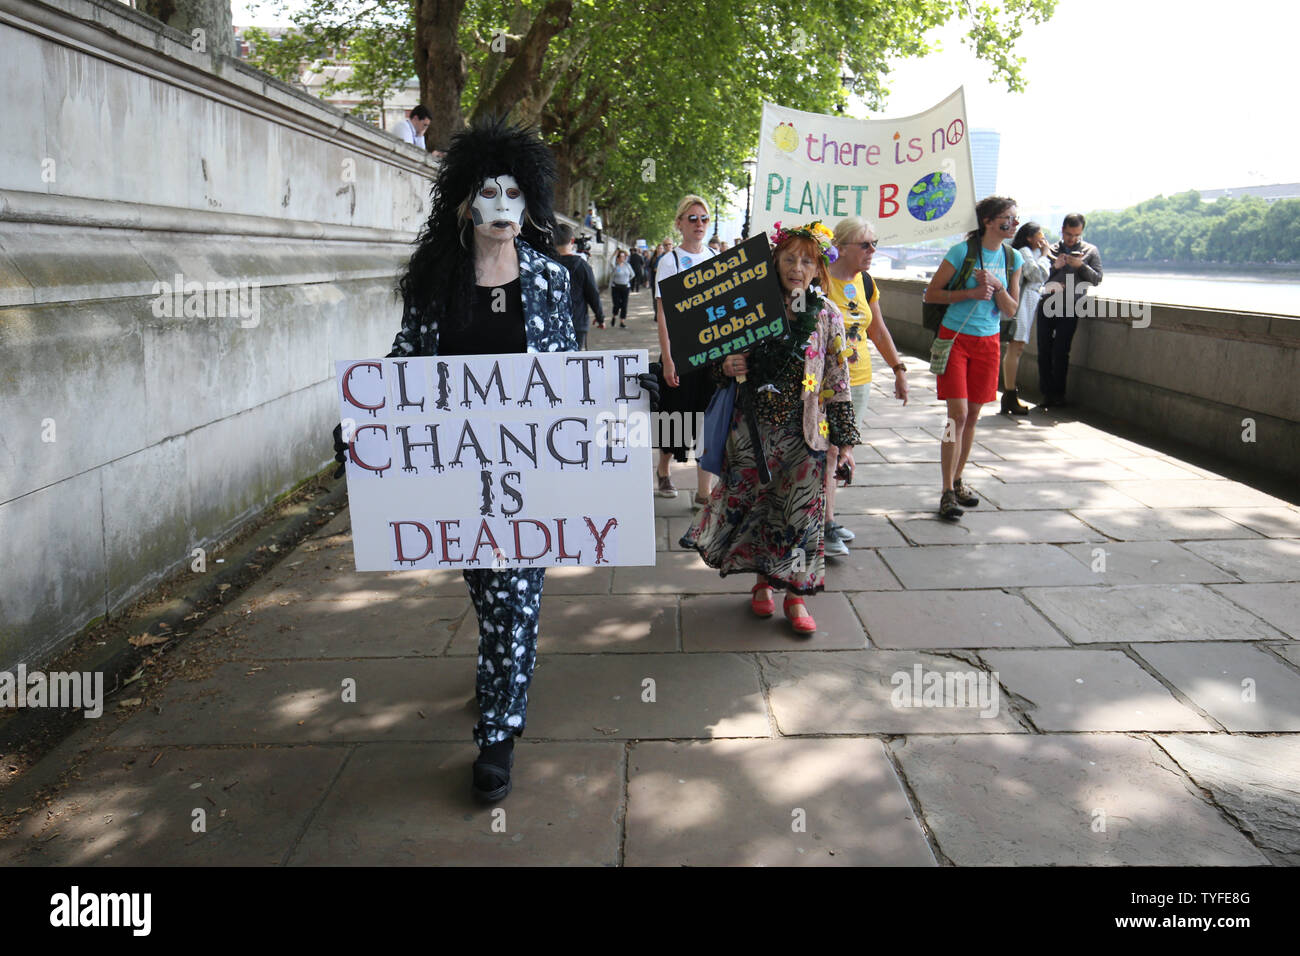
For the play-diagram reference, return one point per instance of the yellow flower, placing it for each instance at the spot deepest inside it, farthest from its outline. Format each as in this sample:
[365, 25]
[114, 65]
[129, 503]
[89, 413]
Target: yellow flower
[826, 393]
[810, 383]
[824, 428]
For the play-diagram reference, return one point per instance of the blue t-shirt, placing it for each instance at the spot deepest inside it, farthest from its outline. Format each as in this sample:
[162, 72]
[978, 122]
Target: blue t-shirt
[981, 316]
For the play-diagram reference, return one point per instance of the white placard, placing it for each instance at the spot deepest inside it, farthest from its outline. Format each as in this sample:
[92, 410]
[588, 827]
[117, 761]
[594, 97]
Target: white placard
[911, 177]
[481, 461]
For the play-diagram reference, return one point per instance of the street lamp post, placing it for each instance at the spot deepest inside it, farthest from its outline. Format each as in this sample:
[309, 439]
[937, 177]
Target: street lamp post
[749, 165]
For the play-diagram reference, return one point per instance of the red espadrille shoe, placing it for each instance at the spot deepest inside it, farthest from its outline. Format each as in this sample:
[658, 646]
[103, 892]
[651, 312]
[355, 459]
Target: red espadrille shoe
[802, 622]
[764, 608]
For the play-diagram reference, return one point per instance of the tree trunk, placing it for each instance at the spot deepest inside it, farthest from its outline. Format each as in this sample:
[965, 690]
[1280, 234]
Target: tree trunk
[213, 17]
[440, 67]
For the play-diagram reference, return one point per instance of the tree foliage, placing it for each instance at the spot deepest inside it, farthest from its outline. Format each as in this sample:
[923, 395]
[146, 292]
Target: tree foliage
[1183, 229]
[644, 103]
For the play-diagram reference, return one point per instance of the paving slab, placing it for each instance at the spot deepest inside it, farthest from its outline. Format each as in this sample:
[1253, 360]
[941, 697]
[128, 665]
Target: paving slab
[978, 526]
[944, 619]
[136, 807]
[900, 473]
[877, 692]
[1056, 496]
[1240, 686]
[1270, 522]
[1089, 689]
[1145, 562]
[725, 623]
[624, 623]
[1162, 524]
[1290, 652]
[1167, 612]
[811, 802]
[860, 570]
[1017, 449]
[856, 499]
[985, 566]
[1065, 800]
[579, 697]
[1160, 468]
[410, 805]
[302, 702]
[1096, 448]
[398, 626]
[1253, 561]
[1254, 779]
[680, 572]
[1198, 493]
[871, 531]
[1278, 604]
[1063, 470]
[907, 451]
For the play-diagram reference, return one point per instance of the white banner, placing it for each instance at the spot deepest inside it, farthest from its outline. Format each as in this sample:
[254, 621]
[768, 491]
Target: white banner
[911, 177]
[500, 461]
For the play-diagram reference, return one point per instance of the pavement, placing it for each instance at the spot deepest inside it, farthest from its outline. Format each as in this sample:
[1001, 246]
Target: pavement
[1098, 665]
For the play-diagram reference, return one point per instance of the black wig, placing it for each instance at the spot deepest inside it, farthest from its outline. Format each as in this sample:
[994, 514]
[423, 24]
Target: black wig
[439, 279]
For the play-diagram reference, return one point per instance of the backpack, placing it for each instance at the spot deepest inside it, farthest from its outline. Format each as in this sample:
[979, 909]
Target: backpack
[932, 313]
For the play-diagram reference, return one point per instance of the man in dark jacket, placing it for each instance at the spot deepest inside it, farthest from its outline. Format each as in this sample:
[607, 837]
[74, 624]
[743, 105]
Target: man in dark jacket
[582, 284]
[1076, 266]
[638, 268]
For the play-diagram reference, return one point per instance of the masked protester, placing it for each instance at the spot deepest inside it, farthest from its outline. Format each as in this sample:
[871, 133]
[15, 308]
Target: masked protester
[489, 240]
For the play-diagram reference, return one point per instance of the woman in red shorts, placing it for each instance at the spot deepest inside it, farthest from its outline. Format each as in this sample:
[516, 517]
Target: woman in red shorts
[972, 320]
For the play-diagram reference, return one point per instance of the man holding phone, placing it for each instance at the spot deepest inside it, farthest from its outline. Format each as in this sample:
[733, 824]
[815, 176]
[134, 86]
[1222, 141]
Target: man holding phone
[1076, 266]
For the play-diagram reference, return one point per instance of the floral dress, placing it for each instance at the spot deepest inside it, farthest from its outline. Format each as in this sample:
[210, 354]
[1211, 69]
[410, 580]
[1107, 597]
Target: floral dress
[777, 529]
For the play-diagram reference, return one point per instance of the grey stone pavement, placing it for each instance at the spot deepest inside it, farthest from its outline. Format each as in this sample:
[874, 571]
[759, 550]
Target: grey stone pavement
[1132, 618]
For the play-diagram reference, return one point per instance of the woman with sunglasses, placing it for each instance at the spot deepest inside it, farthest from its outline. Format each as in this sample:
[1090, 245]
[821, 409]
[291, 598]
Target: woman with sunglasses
[973, 321]
[805, 428]
[855, 294]
[687, 394]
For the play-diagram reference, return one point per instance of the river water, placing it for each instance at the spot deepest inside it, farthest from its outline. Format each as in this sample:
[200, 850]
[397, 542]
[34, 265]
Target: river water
[1238, 293]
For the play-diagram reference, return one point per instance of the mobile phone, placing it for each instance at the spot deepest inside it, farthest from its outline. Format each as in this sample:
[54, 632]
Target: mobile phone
[844, 473]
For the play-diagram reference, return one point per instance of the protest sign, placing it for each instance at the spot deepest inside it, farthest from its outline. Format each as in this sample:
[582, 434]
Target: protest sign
[481, 461]
[910, 177]
[725, 304]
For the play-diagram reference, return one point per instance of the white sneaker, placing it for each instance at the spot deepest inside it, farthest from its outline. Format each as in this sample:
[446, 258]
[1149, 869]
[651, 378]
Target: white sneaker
[835, 548]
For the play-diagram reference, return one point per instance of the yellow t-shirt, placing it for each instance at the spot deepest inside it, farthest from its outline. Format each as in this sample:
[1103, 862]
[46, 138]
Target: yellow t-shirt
[848, 296]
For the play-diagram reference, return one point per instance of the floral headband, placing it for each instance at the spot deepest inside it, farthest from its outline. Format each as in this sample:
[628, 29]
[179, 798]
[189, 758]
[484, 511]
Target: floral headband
[815, 231]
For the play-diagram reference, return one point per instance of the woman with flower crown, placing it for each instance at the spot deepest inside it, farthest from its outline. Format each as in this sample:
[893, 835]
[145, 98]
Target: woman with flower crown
[802, 404]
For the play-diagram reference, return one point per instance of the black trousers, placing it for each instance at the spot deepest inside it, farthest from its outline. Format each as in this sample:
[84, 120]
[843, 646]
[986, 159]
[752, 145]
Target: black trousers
[619, 294]
[1055, 334]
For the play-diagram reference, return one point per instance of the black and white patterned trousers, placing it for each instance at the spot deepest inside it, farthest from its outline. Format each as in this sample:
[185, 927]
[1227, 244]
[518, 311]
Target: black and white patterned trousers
[508, 603]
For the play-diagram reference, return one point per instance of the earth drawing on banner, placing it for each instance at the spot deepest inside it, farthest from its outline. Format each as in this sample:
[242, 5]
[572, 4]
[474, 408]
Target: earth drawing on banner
[932, 196]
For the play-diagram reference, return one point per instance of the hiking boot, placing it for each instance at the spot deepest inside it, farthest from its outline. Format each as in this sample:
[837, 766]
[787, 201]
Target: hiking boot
[948, 507]
[965, 497]
[665, 487]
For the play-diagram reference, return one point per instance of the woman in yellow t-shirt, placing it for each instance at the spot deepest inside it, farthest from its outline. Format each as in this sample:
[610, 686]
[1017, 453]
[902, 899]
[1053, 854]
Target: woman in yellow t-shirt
[858, 299]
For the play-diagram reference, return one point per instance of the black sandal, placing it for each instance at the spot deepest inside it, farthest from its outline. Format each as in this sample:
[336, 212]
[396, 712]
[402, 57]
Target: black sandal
[491, 781]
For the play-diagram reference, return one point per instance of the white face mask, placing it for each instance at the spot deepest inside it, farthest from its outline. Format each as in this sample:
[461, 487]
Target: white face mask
[498, 208]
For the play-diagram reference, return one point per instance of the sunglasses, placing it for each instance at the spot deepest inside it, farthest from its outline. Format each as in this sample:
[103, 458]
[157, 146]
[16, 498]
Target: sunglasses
[695, 218]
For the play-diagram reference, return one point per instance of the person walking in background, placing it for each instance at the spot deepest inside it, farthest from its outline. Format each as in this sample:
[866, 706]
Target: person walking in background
[972, 322]
[687, 394]
[620, 285]
[1033, 273]
[855, 294]
[412, 129]
[637, 262]
[582, 285]
[1076, 267]
[775, 530]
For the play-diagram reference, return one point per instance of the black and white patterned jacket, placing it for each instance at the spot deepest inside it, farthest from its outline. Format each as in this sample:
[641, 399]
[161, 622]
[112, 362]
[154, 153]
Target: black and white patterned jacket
[548, 324]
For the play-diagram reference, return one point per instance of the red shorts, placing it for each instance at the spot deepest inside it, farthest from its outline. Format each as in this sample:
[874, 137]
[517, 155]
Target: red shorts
[972, 371]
